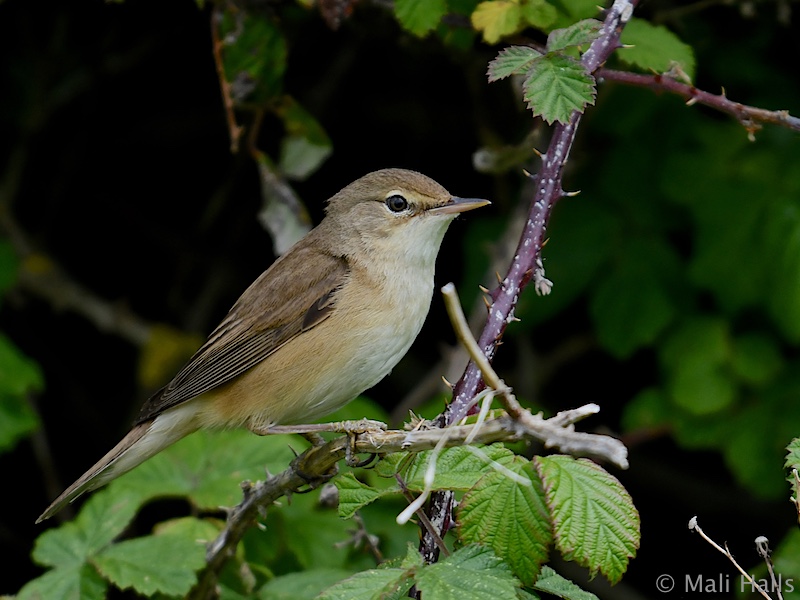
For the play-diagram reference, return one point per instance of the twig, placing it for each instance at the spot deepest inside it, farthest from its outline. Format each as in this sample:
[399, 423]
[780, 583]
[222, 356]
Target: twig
[762, 547]
[234, 129]
[749, 116]
[693, 526]
[423, 518]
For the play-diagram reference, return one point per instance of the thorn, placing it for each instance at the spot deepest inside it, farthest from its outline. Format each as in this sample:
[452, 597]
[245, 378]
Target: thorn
[487, 303]
[691, 101]
[447, 383]
[514, 319]
[499, 279]
[537, 152]
[626, 46]
[544, 243]
[570, 194]
[723, 93]
[484, 289]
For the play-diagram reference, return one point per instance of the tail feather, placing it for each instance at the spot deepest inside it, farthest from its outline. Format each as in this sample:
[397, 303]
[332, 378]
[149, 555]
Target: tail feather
[143, 441]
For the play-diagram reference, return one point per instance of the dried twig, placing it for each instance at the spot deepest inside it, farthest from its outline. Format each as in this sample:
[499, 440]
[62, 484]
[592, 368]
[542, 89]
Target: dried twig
[693, 526]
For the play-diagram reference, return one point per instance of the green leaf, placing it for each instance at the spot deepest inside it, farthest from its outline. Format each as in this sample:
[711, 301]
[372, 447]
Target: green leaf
[556, 86]
[253, 55]
[581, 33]
[509, 517]
[457, 468]
[595, 522]
[793, 455]
[208, 467]
[472, 572]
[553, 583]
[373, 584]
[420, 16]
[539, 13]
[496, 18]
[513, 60]
[101, 519]
[304, 585]
[306, 145]
[655, 48]
[648, 409]
[77, 582]
[354, 495]
[164, 563]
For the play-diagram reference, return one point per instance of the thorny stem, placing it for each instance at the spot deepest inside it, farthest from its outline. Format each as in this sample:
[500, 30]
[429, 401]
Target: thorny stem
[749, 116]
[527, 263]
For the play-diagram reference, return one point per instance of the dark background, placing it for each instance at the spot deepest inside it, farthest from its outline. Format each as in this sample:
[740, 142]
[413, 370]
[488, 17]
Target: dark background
[117, 166]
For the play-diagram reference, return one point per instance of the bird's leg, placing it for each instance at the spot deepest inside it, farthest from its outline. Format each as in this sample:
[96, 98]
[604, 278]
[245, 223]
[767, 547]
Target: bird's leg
[349, 427]
[311, 433]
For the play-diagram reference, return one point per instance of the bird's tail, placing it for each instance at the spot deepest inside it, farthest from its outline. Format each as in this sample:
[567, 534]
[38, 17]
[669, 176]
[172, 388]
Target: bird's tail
[143, 441]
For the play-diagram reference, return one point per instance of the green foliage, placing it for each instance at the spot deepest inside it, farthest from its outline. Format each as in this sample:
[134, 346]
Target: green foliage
[556, 84]
[511, 517]
[420, 16]
[655, 48]
[19, 376]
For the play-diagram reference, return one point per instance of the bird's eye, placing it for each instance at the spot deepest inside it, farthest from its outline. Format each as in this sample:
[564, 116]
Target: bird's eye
[396, 203]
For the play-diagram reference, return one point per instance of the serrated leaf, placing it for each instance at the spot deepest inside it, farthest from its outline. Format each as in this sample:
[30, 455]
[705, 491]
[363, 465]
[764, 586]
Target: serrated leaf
[420, 16]
[101, 519]
[472, 572]
[581, 33]
[457, 468]
[509, 517]
[78, 582]
[513, 60]
[556, 86]
[793, 455]
[553, 583]
[369, 585]
[304, 585]
[580, 493]
[163, 563]
[655, 48]
[496, 18]
[354, 494]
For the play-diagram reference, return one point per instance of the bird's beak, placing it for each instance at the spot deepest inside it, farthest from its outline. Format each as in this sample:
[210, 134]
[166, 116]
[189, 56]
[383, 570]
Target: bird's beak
[459, 205]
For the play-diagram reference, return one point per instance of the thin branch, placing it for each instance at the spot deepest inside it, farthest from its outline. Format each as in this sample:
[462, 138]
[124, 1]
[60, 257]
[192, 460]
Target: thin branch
[750, 117]
[235, 130]
[693, 526]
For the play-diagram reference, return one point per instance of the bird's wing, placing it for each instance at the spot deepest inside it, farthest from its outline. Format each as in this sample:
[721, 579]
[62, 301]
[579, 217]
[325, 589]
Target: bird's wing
[258, 324]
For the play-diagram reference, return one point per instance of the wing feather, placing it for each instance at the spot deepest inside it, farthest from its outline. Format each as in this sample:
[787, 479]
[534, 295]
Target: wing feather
[281, 304]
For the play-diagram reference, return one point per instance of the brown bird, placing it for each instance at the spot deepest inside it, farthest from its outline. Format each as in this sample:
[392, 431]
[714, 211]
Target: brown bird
[328, 320]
